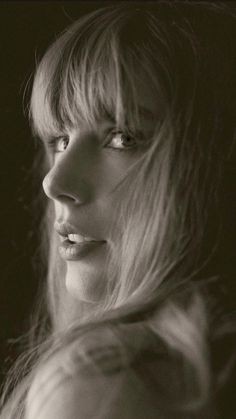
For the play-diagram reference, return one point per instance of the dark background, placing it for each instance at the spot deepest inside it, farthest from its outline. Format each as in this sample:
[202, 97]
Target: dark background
[26, 29]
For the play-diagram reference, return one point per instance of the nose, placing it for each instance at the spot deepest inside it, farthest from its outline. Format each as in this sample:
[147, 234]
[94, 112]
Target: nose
[56, 190]
[65, 181]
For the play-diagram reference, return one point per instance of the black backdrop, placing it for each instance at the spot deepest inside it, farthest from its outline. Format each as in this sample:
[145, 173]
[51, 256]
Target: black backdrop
[26, 29]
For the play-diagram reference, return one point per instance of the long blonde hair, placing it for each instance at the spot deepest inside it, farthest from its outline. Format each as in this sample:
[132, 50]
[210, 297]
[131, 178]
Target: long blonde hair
[171, 241]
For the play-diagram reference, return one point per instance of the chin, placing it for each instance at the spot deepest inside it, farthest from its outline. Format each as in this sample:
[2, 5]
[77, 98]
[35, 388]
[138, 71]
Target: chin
[84, 282]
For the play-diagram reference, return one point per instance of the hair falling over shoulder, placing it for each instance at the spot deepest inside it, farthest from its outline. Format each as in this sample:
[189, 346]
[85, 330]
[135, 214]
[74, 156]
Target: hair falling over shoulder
[176, 245]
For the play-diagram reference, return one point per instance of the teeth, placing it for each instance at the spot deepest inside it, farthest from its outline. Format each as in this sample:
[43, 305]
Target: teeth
[77, 238]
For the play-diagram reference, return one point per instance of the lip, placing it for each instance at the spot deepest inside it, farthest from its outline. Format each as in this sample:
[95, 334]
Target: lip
[74, 251]
[63, 228]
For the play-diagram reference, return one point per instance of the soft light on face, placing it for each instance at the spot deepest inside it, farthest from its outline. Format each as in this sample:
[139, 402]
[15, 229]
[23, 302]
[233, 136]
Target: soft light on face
[88, 164]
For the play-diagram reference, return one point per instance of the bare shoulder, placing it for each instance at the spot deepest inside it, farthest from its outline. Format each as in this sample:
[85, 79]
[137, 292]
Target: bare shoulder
[96, 377]
[62, 395]
[72, 375]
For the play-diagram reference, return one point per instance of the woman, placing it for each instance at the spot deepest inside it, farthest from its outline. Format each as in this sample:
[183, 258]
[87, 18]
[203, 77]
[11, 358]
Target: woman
[135, 106]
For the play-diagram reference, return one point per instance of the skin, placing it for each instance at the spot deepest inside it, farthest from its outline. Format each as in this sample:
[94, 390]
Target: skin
[82, 184]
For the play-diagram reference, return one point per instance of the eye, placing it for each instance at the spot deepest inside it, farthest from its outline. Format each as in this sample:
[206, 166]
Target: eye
[58, 144]
[120, 140]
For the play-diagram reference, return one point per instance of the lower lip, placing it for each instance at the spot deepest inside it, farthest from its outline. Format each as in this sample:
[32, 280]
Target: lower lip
[76, 251]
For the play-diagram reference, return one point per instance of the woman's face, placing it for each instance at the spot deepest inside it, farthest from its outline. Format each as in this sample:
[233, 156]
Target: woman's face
[88, 164]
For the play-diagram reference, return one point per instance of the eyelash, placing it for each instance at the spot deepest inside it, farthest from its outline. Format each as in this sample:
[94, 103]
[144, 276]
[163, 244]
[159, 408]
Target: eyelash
[53, 142]
[123, 134]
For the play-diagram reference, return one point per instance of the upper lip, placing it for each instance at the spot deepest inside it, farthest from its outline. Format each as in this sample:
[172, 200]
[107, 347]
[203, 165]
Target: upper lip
[63, 228]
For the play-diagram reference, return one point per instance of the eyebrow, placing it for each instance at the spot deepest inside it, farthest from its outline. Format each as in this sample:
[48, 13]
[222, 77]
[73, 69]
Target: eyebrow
[143, 111]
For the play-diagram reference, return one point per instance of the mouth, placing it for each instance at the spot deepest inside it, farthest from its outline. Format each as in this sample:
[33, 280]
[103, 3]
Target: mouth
[75, 245]
[74, 238]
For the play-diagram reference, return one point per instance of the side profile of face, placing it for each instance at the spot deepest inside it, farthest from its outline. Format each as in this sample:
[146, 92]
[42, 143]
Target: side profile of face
[82, 183]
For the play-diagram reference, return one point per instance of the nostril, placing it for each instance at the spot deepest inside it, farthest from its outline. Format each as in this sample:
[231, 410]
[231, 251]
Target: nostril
[61, 186]
[67, 198]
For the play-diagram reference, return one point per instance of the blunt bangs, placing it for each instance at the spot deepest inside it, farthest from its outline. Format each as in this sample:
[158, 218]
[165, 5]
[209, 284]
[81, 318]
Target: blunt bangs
[91, 72]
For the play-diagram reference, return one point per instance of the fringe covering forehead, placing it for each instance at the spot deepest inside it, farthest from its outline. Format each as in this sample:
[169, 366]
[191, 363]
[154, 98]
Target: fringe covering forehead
[88, 73]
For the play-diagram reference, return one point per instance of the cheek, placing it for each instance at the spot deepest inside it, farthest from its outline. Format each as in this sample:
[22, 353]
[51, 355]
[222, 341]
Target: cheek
[112, 169]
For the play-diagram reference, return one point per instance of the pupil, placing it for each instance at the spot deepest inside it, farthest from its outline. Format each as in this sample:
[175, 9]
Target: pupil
[125, 138]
